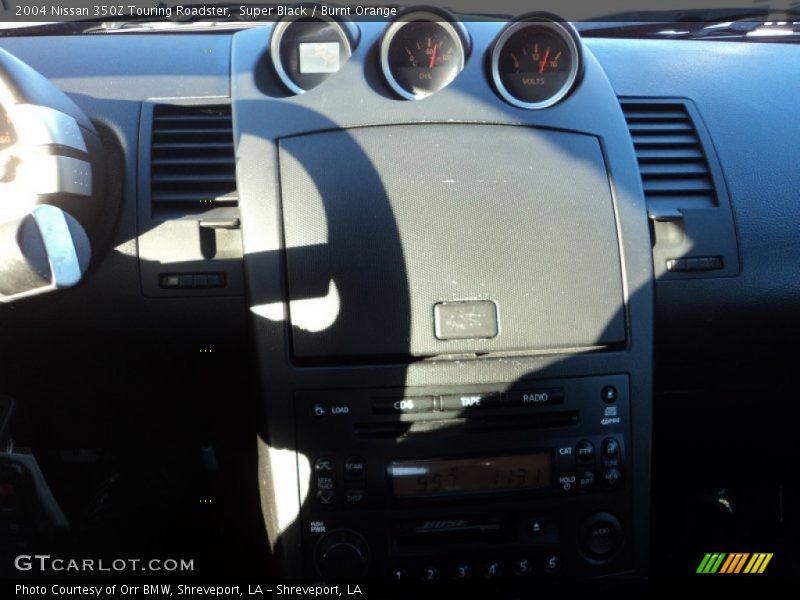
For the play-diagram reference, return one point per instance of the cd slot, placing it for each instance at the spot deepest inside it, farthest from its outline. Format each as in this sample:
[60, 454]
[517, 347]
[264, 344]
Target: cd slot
[460, 425]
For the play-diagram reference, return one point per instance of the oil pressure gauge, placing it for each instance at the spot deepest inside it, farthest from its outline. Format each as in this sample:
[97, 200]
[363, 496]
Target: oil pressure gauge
[421, 54]
[535, 62]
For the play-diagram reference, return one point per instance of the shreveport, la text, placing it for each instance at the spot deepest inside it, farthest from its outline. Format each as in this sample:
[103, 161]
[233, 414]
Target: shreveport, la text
[163, 590]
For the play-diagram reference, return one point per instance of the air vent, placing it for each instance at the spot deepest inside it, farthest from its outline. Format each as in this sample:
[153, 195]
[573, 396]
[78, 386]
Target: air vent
[193, 165]
[672, 160]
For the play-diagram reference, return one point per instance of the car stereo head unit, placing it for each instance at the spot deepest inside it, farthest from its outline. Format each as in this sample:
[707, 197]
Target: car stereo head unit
[506, 481]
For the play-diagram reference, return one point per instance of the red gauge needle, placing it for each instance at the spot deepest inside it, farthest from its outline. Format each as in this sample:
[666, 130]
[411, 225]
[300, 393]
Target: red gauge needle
[433, 56]
[543, 64]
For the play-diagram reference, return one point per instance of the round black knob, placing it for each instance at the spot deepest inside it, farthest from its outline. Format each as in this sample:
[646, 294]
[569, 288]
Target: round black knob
[610, 448]
[609, 394]
[601, 537]
[342, 554]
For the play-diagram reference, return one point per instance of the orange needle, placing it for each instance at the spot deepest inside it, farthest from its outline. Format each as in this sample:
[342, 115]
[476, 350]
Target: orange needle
[433, 56]
[543, 64]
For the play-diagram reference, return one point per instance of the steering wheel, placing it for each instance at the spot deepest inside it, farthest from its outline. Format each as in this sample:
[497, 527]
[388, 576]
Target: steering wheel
[51, 184]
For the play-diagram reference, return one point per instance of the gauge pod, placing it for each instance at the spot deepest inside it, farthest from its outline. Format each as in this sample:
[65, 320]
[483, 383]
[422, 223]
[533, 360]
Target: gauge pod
[535, 62]
[422, 53]
[306, 51]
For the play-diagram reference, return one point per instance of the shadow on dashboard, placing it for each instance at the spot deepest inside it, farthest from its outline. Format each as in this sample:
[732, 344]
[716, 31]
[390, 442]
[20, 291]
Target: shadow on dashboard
[353, 237]
[366, 230]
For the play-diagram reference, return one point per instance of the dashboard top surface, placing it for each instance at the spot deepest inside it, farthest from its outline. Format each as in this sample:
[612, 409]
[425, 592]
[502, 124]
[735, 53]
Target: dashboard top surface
[103, 73]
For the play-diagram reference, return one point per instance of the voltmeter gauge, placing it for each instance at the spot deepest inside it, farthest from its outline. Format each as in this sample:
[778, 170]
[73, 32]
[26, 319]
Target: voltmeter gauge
[535, 62]
[421, 54]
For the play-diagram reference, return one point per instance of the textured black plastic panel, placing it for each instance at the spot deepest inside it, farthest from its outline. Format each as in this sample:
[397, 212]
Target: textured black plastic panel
[344, 108]
[480, 212]
[748, 120]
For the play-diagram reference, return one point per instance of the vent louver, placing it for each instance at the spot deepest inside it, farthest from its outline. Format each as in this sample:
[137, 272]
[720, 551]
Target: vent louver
[193, 164]
[672, 160]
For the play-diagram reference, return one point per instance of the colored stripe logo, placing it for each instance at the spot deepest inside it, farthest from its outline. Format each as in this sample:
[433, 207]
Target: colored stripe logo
[737, 562]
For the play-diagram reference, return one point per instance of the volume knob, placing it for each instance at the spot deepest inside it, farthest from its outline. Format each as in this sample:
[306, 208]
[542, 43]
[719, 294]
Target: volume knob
[342, 554]
[601, 537]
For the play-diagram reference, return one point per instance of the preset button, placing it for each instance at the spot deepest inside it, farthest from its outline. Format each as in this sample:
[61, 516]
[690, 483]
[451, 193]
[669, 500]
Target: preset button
[584, 452]
[534, 397]
[476, 401]
[355, 468]
[399, 406]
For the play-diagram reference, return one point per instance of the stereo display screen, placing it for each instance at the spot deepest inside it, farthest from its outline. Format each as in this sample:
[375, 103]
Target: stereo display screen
[430, 478]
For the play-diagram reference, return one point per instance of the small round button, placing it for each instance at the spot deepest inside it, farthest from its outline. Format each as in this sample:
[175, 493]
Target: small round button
[523, 567]
[585, 481]
[609, 394]
[430, 574]
[354, 495]
[610, 449]
[399, 574]
[326, 497]
[320, 410]
[601, 537]
[323, 465]
[552, 564]
[612, 477]
[491, 569]
[355, 467]
[461, 571]
[584, 451]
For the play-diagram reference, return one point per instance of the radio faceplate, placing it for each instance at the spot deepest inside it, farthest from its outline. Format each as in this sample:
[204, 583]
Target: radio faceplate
[523, 480]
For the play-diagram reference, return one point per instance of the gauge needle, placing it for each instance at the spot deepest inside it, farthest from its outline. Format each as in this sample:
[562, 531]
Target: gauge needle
[433, 56]
[543, 64]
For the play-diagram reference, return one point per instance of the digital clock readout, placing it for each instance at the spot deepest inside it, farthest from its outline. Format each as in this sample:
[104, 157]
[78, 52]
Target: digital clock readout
[429, 478]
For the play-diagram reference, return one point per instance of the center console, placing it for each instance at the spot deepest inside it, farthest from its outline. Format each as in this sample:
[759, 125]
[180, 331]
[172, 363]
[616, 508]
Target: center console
[520, 480]
[452, 301]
